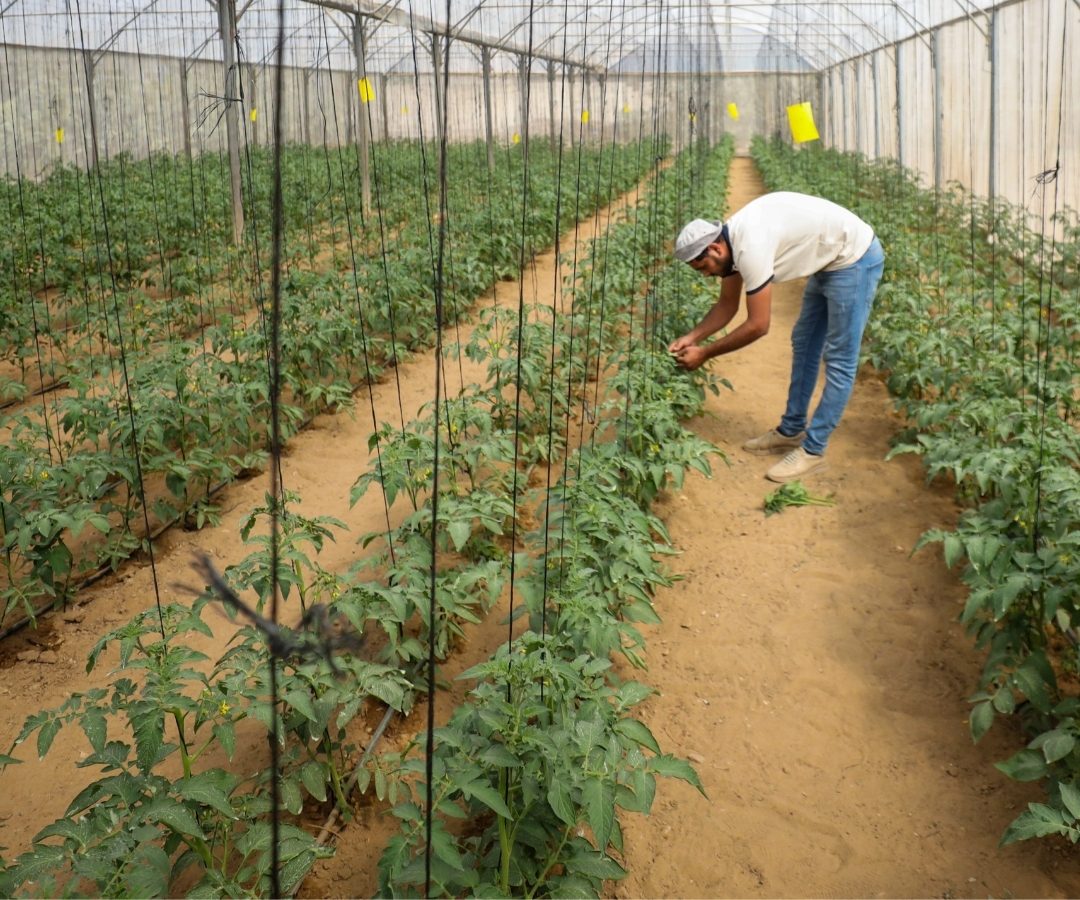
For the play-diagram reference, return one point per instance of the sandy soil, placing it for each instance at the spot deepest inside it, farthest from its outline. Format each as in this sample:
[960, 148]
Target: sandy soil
[809, 665]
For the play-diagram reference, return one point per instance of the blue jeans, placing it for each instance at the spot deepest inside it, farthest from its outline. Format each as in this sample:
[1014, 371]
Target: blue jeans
[835, 308]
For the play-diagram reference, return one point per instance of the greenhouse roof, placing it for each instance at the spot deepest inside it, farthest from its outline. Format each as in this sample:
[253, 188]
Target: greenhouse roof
[740, 36]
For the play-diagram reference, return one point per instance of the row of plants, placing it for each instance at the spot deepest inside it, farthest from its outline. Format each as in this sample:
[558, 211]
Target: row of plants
[977, 325]
[79, 483]
[169, 813]
[160, 229]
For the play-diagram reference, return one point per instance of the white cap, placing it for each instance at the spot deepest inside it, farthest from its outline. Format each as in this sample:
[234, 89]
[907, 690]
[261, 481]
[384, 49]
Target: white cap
[695, 237]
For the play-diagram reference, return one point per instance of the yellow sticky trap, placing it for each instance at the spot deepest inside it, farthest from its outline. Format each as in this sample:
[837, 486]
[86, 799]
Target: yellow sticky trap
[254, 114]
[584, 117]
[801, 119]
[626, 108]
[732, 111]
[367, 92]
[516, 138]
[59, 135]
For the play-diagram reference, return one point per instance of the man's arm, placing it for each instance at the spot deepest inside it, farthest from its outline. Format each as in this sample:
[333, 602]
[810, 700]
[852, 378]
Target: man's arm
[756, 325]
[722, 312]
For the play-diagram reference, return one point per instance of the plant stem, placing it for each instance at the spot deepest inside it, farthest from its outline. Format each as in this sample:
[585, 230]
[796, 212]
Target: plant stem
[505, 844]
[551, 860]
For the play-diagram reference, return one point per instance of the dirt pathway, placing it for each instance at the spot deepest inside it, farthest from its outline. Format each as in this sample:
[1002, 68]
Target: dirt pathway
[817, 672]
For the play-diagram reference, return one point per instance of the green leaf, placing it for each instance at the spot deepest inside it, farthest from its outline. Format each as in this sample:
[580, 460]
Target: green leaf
[175, 815]
[1033, 683]
[558, 797]
[640, 611]
[572, 887]
[631, 693]
[487, 795]
[203, 789]
[676, 768]
[314, 779]
[256, 838]
[44, 859]
[300, 700]
[1070, 798]
[1027, 765]
[596, 865]
[1058, 745]
[389, 691]
[46, 735]
[443, 846]
[954, 549]
[148, 876]
[598, 796]
[1038, 820]
[498, 755]
[982, 717]
[291, 798]
[294, 870]
[149, 728]
[460, 531]
[112, 755]
[638, 732]
[93, 725]
[226, 735]
[79, 832]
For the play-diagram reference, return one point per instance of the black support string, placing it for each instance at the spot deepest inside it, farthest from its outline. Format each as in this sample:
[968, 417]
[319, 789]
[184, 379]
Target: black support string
[276, 487]
[114, 284]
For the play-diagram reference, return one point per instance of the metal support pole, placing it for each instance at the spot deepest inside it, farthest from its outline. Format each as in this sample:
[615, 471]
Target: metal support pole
[185, 107]
[877, 104]
[489, 124]
[586, 90]
[551, 102]
[363, 130]
[991, 178]
[384, 91]
[227, 27]
[91, 104]
[846, 104]
[306, 107]
[899, 109]
[857, 100]
[826, 110]
[602, 104]
[939, 112]
[523, 98]
[573, 124]
[436, 59]
[253, 102]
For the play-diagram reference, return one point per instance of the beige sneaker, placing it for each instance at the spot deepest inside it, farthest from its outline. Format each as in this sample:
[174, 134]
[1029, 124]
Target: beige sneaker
[773, 441]
[795, 465]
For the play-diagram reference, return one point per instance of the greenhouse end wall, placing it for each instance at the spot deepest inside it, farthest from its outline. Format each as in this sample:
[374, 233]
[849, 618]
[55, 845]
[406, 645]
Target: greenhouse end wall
[151, 104]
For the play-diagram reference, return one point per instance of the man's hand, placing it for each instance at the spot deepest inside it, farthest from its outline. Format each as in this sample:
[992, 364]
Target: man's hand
[691, 357]
[680, 344]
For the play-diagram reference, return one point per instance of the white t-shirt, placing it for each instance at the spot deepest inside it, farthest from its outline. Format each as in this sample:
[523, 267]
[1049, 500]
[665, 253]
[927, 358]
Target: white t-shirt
[785, 235]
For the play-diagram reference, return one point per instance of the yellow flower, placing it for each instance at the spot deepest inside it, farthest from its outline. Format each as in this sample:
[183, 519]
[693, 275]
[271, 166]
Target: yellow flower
[223, 708]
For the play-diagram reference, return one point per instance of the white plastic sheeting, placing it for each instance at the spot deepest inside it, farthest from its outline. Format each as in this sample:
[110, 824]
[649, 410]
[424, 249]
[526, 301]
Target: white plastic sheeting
[618, 35]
